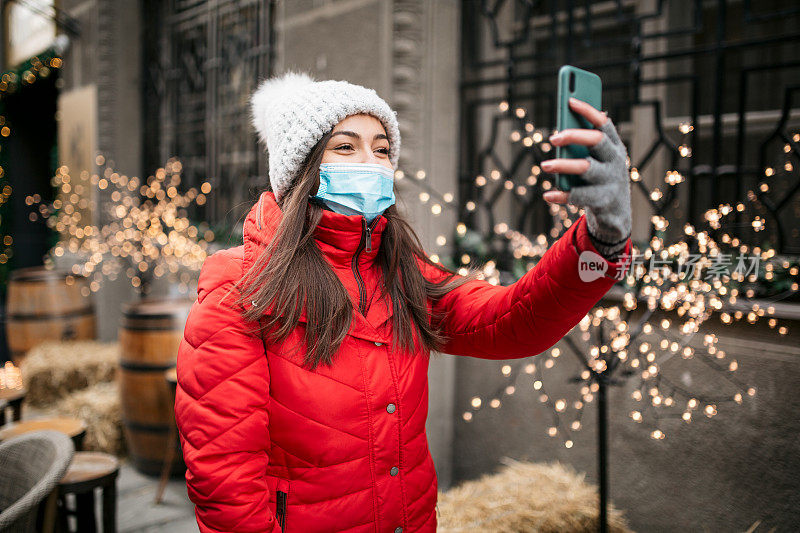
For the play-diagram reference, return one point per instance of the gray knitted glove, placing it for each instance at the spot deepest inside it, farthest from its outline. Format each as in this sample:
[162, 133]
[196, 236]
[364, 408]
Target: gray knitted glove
[607, 196]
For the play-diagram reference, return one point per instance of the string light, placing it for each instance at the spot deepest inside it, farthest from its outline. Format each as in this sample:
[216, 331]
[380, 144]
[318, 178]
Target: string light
[640, 347]
[698, 302]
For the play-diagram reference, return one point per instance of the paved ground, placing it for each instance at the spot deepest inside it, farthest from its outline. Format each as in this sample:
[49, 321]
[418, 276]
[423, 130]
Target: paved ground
[137, 512]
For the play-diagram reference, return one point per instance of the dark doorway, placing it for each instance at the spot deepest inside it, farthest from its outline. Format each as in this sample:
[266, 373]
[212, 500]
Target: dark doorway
[30, 161]
[30, 166]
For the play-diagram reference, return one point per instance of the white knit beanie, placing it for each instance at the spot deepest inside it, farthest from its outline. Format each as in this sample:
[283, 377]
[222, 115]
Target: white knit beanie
[292, 111]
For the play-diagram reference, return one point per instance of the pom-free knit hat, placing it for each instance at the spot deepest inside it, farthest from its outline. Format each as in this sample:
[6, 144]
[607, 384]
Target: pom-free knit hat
[292, 112]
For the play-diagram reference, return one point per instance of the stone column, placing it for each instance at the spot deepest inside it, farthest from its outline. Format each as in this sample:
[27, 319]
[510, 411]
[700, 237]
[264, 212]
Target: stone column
[106, 55]
[425, 94]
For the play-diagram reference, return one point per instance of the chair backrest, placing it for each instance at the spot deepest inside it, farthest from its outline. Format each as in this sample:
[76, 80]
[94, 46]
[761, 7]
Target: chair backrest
[31, 466]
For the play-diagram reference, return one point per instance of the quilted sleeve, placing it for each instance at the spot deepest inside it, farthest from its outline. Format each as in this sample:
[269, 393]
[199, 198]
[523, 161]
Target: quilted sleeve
[221, 408]
[525, 318]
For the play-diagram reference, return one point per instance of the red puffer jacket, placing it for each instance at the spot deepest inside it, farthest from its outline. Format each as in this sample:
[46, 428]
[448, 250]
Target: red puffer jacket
[342, 448]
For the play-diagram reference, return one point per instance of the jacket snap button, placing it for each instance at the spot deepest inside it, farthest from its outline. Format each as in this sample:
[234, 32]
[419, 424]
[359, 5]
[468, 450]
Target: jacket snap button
[378, 343]
[390, 408]
[398, 530]
[394, 471]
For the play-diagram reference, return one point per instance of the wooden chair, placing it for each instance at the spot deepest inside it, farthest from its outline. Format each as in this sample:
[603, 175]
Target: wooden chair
[32, 464]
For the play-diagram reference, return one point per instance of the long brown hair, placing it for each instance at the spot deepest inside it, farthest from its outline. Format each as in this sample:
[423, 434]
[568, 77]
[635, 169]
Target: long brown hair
[292, 272]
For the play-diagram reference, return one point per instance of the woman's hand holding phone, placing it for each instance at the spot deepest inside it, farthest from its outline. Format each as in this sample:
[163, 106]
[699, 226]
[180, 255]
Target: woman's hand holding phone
[606, 196]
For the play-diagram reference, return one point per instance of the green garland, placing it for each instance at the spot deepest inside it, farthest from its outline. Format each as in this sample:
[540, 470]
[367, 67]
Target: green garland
[17, 79]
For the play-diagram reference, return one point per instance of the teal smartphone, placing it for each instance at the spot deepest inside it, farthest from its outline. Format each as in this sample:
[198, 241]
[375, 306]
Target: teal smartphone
[583, 85]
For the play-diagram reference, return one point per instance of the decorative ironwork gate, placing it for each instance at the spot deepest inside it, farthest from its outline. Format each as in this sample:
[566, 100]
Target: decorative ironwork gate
[708, 88]
[203, 58]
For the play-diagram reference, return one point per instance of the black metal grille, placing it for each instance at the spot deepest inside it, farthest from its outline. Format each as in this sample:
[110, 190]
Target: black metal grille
[202, 61]
[729, 69]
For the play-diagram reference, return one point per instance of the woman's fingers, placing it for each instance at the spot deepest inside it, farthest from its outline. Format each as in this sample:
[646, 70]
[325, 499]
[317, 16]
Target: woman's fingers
[582, 136]
[595, 116]
[576, 136]
[556, 197]
[565, 166]
[601, 144]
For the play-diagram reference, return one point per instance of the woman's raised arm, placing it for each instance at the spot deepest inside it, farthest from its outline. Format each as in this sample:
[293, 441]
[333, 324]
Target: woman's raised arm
[529, 316]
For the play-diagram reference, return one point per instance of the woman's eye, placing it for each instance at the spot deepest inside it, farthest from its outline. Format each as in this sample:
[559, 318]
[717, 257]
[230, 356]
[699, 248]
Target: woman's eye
[349, 147]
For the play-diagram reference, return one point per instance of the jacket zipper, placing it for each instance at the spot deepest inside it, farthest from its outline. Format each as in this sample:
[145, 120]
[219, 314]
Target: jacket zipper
[364, 243]
[281, 510]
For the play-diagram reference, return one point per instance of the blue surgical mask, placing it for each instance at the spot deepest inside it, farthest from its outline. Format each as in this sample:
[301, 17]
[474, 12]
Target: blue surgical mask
[356, 188]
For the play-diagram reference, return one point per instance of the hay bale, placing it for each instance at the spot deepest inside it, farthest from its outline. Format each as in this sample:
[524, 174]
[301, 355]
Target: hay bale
[524, 496]
[53, 369]
[99, 407]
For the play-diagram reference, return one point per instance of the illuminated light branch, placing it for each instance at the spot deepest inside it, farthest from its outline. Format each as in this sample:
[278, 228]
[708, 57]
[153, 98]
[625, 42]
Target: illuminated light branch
[148, 233]
[610, 342]
[512, 373]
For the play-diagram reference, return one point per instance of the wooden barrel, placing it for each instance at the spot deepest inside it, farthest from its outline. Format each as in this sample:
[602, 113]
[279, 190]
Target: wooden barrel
[149, 337]
[47, 305]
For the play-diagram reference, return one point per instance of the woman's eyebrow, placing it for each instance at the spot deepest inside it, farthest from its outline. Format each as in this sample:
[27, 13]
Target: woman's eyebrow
[357, 136]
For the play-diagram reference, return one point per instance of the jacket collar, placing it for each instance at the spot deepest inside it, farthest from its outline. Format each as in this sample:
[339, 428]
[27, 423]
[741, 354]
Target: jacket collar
[339, 238]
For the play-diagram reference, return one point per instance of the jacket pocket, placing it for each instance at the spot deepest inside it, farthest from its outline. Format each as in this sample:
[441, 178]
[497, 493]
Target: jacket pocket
[282, 502]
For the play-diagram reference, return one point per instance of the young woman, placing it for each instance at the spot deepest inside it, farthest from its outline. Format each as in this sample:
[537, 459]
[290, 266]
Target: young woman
[303, 373]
